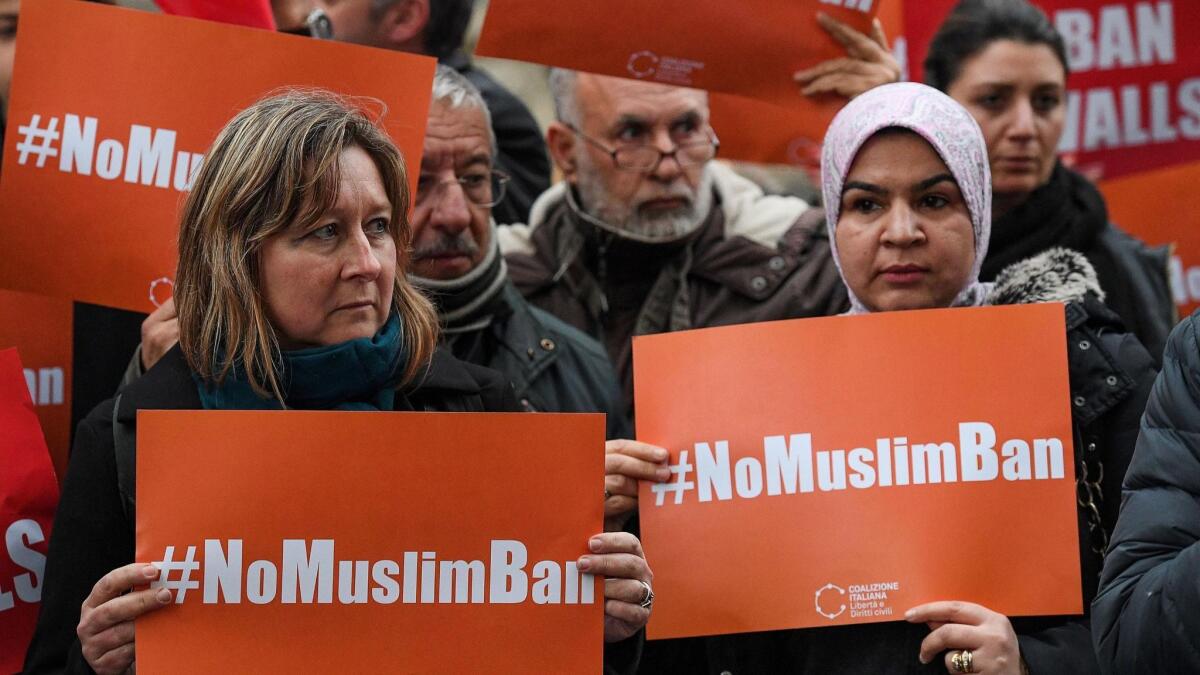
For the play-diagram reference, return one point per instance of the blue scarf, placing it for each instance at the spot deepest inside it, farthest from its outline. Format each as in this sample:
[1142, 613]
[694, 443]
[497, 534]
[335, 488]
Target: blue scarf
[354, 375]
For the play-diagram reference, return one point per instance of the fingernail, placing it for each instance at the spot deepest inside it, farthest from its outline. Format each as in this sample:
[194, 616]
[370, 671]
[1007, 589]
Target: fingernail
[662, 473]
[585, 563]
[922, 659]
[163, 597]
[909, 614]
[150, 571]
[661, 455]
[594, 545]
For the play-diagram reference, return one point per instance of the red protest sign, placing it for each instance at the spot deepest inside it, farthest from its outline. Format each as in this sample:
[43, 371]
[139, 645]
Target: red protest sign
[101, 150]
[394, 541]
[253, 13]
[1134, 90]
[28, 496]
[681, 43]
[816, 461]
[41, 329]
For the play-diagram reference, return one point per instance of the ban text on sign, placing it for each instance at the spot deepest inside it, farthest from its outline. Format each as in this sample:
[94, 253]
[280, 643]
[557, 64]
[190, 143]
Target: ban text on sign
[354, 542]
[840, 470]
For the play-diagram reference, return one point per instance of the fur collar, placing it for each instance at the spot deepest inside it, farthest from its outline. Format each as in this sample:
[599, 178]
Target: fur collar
[1055, 275]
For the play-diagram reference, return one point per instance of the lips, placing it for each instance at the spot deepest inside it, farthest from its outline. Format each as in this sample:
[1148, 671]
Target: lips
[358, 304]
[904, 274]
[1018, 163]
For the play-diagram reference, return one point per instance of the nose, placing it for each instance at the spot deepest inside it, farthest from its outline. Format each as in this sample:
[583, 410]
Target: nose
[1021, 126]
[668, 168]
[362, 258]
[901, 227]
[448, 206]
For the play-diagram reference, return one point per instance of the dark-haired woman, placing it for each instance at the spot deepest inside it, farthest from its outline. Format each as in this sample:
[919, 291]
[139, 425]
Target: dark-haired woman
[1006, 64]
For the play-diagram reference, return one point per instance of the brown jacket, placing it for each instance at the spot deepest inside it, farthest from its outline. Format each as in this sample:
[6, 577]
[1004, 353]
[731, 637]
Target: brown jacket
[755, 258]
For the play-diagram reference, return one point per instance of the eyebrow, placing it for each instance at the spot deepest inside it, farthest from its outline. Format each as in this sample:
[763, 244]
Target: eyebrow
[923, 185]
[940, 178]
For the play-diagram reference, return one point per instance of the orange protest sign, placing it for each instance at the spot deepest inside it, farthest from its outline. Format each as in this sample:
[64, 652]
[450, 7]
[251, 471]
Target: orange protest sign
[822, 467]
[99, 151]
[361, 542]
[755, 131]
[678, 42]
[1163, 207]
[41, 330]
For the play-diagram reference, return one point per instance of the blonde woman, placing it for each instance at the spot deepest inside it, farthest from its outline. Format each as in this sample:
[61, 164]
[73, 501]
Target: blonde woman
[292, 294]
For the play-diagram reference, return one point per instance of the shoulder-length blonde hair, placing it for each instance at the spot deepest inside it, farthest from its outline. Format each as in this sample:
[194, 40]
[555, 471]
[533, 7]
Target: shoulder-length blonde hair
[274, 165]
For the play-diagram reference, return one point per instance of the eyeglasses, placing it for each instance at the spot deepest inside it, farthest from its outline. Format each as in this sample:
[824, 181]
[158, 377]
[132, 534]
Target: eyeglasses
[316, 25]
[484, 189]
[645, 157]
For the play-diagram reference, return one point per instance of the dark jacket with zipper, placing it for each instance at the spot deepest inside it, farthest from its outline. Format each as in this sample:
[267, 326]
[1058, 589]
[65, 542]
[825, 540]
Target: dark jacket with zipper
[1110, 377]
[94, 529]
[552, 366]
[1145, 616]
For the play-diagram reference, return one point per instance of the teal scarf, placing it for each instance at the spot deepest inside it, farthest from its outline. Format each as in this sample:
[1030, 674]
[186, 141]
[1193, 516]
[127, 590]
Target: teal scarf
[355, 375]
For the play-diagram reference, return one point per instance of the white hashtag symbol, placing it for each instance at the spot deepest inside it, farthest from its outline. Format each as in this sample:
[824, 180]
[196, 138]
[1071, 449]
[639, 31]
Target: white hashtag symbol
[34, 132]
[168, 565]
[679, 486]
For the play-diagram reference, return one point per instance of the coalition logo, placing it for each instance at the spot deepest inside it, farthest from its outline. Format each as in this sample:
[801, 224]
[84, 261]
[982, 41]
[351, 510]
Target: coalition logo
[673, 70]
[829, 596]
[642, 64]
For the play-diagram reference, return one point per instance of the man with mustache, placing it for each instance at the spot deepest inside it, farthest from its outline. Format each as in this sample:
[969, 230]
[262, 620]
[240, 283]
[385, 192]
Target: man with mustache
[456, 260]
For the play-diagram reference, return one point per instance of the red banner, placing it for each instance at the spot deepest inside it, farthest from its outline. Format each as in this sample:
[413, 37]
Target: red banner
[28, 496]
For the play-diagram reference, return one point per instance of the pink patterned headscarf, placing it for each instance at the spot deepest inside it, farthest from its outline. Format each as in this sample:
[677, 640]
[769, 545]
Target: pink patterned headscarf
[946, 126]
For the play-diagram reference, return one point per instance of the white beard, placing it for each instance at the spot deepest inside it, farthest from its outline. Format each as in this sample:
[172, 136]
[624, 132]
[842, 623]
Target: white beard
[623, 218]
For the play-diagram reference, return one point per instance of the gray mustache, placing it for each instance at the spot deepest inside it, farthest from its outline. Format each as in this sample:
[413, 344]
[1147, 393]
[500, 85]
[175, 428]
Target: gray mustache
[461, 244]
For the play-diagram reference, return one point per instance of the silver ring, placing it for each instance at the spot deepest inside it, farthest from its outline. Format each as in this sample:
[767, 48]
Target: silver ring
[648, 599]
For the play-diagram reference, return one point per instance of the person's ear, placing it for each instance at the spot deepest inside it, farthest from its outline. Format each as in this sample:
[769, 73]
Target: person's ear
[561, 141]
[403, 23]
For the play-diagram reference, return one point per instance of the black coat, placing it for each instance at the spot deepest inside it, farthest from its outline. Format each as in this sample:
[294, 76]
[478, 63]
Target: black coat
[1110, 378]
[552, 366]
[1146, 618]
[92, 534]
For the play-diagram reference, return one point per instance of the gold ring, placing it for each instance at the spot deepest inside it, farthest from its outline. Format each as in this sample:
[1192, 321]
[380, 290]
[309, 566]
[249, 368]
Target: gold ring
[963, 661]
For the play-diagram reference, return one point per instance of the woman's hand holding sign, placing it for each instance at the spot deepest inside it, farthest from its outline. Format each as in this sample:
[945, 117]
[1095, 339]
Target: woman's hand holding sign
[628, 596]
[975, 639]
[626, 463]
[868, 62]
[106, 619]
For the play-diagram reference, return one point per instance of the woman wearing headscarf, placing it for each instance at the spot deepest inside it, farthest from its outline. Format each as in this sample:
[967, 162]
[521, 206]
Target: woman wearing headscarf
[1006, 64]
[292, 294]
[907, 189]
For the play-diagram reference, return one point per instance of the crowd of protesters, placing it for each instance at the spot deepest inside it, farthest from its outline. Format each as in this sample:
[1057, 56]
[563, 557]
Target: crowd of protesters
[505, 292]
